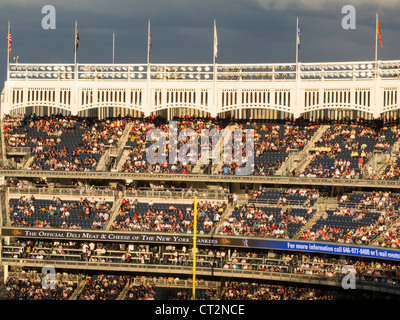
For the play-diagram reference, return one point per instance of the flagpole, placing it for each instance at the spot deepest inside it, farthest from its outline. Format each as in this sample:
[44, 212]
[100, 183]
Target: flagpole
[113, 46]
[76, 28]
[215, 33]
[148, 43]
[148, 67]
[8, 52]
[8, 66]
[297, 43]
[297, 68]
[75, 69]
[215, 52]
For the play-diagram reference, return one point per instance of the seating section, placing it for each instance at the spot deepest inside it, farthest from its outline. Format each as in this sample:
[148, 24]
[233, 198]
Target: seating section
[275, 222]
[349, 225]
[102, 287]
[64, 143]
[138, 143]
[31, 288]
[344, 149]
[109, 287]
[58, 213]
[77, 144]
[272, 142]
[306, 197]
[236, 290]
[371, 200]
[168, 217]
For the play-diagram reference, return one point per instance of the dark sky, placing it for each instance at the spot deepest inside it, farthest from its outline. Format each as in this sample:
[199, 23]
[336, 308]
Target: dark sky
[249, 31]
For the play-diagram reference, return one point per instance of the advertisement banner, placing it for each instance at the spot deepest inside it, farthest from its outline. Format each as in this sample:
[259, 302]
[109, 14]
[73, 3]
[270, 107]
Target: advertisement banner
[207, 240]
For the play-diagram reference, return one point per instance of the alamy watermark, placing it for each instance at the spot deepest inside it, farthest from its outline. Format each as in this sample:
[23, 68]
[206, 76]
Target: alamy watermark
[49, 20]
[349, 280]
[349, 20]
[49, 280]
[238, 150]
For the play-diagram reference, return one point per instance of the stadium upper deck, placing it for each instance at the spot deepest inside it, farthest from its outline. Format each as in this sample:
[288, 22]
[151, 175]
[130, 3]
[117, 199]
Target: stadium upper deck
[276, 90]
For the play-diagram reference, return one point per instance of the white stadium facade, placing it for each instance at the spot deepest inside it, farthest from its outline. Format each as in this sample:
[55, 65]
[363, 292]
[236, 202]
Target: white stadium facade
[369, 89]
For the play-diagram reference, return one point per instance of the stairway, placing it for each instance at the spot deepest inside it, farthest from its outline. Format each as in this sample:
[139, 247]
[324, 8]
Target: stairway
[124, 291]
[299, 160]
[377, 162]
[228, 131]
[78, 290]
[225, 215]
[379, 236]
[117, 152]
[322, 204]
[114, 210]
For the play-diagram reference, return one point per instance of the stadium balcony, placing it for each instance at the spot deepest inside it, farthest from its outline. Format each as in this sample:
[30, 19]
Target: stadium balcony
[302, 270]
[346, 151]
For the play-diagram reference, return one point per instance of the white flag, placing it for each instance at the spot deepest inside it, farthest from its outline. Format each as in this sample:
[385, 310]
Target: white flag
[215, 40]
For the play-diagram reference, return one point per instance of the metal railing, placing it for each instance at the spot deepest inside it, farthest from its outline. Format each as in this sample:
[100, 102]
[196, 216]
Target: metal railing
[18, 150]
[216, 272]
[153, 176]
[177, 194]
[37, 275]
[178, 283]
[63, 191]
[275, 202]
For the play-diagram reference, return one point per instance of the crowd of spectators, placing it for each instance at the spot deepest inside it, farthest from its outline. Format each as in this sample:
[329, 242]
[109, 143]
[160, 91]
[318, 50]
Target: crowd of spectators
[259, 291]
[27, 211]
[275, 222]
[31, 287]
[66, 143]
[102, 287]
[144, 291]
[368, 270]
[371, 200]
[272, 142]
[347, 225]
[344, 150]
[289, 196]
[169, 217]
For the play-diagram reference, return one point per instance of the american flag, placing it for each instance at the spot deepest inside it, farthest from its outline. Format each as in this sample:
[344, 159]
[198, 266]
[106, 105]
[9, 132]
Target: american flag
[76, 38]
[9, 41]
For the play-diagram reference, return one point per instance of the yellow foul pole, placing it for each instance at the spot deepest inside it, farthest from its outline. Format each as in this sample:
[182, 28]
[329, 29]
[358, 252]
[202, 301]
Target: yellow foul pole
[194, 248]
